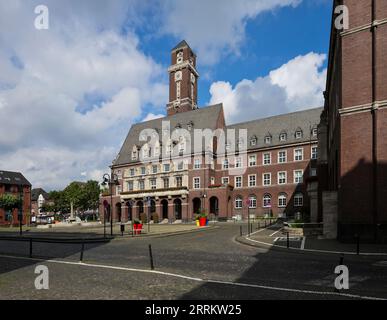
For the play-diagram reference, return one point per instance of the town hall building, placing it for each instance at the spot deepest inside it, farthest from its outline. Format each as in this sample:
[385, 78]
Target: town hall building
[259, 167]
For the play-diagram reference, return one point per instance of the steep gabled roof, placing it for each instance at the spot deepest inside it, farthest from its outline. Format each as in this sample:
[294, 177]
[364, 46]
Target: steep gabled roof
[15, 178]
[35, 193]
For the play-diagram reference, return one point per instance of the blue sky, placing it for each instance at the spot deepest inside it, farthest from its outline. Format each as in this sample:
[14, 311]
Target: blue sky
[71, 93]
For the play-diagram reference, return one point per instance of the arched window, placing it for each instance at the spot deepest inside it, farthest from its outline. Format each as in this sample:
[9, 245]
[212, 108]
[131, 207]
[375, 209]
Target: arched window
[299, 200]
[253, 201]
[282, 200]
[267, 201]
[238, 202]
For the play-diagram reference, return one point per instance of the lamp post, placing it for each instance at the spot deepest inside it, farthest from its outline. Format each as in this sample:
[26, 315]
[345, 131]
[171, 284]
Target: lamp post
[111, 180]
[20, 213]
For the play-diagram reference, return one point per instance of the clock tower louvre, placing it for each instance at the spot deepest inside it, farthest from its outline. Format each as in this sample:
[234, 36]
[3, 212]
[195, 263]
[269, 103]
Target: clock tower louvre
[183, 78]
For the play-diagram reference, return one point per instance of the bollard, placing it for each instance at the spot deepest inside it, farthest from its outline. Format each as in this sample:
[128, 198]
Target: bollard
[30, 247]
[151, 257]
[265, 223]
[287, 240]
[82, 249]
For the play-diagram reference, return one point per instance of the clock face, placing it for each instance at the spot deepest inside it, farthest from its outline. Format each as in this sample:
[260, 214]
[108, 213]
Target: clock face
[178, 76]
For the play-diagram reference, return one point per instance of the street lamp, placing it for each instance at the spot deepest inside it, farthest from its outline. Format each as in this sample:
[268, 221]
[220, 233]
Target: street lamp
[20, 213]
[111, 180]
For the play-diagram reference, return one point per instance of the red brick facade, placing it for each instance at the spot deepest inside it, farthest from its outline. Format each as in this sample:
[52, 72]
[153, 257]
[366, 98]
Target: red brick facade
[355, 116]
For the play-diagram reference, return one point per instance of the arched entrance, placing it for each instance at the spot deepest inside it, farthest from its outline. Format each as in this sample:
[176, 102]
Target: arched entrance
[107, 213]
[177, 209]
[140, 209]
[130, 210]
[164, 205]
[214, 206]
[119, 212]
[196, 205]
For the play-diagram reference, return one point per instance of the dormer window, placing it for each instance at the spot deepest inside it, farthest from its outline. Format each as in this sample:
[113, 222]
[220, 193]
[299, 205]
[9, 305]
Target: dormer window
[298, 134]
[253, 141]
[283, 137]
[134, 153]
[268, 139]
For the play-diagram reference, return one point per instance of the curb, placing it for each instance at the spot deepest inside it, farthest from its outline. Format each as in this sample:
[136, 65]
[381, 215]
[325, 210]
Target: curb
[165, 234]
[259, 244]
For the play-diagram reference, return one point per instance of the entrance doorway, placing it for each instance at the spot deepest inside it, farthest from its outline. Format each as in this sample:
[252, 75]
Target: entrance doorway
[177, 209]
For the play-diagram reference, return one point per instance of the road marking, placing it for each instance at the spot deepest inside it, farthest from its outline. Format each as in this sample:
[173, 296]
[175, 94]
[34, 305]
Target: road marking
[275, 232]
[303, 243]
[255, 232]
[320, 251]
[101, 266]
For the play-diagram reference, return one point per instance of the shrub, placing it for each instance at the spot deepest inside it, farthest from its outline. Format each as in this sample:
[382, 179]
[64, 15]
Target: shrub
[155, 217]
[143, 217]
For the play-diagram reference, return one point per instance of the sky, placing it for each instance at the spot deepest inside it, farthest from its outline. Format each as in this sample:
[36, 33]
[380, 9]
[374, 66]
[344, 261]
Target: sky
[69, 93]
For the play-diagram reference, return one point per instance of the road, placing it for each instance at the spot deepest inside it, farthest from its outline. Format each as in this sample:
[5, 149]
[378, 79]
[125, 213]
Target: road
[202, 265]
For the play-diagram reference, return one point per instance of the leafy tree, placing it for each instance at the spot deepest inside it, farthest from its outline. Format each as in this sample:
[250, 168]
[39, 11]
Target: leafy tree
[9, 202]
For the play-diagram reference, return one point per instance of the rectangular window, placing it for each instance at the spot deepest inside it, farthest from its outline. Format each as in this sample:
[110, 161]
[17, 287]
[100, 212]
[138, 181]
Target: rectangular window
[178, 89]
[130, 185]
[282, 177]
[238, 203]
[141, 185]
[212, 181]
[314, 153]
[253, 202]
[154, 169]
[252, 180]
[298, 200]
[238, 182]
[143, 170]
[238, 162]
[266, 158]
[132, 172]
[313, 172]
[196, 183]
[266, 179]
[180, 165]
[167, 167]
[153, 183]
[179, 182]
[282, 157]
[282, 201]
[298, 176]
[166, 183]
[118, 190]
[298, 154]
[225, 180]
[226, 165]
[197, 164]
[252, 161]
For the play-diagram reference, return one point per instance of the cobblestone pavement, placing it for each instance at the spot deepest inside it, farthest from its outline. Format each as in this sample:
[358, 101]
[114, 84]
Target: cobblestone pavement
[210, 261]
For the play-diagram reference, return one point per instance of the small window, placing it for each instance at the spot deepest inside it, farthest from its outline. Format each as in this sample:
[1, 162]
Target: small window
[238, 203]
[298, 176]
[253, 141]
[132, 172]
[266, 179]
[283, 137]
[268, 139]
[314, 153]
[238, 162]
[238, 182]
[153, 184]
[267, 158]
[225, 180]
[197, 164]
[267, 201]
[252, 180]
[166, 183]
[179, 182]
[253, 202]
[167, 167]
[282, 201]
[154, 169]
[298, 200]
[141, 185]
[196, 183]
[130, 185]
[226, 164]
[143, 170]
[282, 157]
[282, 177]
[298, 134]
[298, 154]
[252, 161]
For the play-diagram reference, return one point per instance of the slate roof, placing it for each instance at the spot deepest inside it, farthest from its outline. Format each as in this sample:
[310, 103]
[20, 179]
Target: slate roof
[204, 118]
[14, 178]
[38, 191]
[182, 44]
[289, 123]
[207, 118]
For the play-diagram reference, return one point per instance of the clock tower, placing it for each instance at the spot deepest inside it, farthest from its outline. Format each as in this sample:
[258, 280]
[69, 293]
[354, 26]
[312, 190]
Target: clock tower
[183, 79]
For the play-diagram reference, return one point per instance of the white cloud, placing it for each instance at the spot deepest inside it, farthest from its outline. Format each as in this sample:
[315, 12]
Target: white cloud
[296, 85]
[152, 116]
[215, 27]
[70, 93]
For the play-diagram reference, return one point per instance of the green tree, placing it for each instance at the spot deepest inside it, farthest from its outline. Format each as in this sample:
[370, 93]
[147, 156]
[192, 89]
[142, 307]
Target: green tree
[9, 201]
[90, 195]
